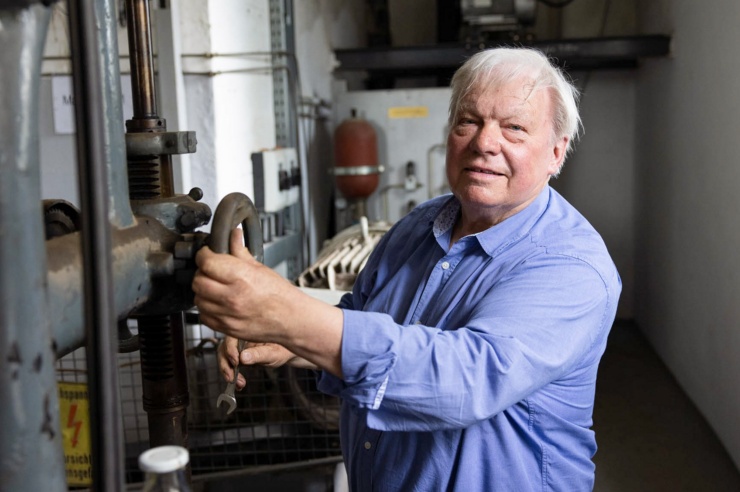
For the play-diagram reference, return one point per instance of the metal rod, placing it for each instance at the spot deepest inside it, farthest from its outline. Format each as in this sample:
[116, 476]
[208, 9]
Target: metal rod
[31, 455]
[164, 376]
[142, 64]
[99, 310]
[150, 176]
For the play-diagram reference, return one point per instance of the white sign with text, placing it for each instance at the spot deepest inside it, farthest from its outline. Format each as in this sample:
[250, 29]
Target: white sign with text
[63, 102]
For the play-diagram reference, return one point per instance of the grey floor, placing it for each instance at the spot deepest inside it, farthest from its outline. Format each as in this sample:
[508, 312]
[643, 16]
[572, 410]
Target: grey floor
[650, 435]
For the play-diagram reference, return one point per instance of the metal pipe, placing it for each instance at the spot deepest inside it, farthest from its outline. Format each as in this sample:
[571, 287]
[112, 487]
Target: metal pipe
[431, 192]
[100, 320]
[150, 176]
[164, 376]
[142, 64]
[31, 456]
[234, 209]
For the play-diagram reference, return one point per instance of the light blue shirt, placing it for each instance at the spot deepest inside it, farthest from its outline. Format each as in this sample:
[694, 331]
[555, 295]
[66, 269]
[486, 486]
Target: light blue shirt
[473, 367]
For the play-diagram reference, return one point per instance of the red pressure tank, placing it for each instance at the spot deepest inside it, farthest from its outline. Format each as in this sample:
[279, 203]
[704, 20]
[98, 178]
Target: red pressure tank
[356, 158]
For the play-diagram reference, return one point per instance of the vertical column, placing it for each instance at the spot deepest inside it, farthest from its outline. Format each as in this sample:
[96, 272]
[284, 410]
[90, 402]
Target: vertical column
[31, 456]
[93, 67]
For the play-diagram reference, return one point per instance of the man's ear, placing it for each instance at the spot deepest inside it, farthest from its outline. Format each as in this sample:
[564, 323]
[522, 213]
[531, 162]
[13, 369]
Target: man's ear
[558, 155]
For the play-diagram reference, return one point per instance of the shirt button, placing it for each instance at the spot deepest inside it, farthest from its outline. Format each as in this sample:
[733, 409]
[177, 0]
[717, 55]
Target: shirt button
[368, 445]
[445, 265]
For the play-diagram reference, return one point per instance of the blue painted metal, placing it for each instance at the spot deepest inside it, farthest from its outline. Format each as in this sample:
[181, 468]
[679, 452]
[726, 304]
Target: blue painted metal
[31, 456]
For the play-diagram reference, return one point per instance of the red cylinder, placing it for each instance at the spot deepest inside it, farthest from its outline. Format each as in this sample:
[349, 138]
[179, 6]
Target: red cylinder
[356, 158]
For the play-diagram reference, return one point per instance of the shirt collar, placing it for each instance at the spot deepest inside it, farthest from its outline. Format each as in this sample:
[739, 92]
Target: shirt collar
[494, 239]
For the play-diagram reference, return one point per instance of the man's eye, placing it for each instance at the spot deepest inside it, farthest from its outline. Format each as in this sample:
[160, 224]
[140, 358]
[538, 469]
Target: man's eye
[516, 128]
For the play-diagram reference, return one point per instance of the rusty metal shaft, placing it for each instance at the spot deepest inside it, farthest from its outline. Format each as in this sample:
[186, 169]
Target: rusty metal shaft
[164, 375]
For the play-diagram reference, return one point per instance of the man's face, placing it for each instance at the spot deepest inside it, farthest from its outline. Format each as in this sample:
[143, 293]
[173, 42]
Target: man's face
[501, 150]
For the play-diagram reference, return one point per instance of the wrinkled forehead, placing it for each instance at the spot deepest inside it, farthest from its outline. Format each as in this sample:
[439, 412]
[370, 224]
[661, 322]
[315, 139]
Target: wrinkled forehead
[514, 92]
[519, 91]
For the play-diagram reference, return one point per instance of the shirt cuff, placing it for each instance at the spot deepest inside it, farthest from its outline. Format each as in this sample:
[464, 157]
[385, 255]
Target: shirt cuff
[367, 359]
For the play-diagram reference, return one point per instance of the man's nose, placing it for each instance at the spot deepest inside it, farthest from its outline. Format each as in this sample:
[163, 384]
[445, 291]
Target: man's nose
[488, 139]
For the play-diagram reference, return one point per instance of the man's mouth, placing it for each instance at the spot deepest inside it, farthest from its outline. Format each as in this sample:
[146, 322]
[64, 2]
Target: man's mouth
[483, 171]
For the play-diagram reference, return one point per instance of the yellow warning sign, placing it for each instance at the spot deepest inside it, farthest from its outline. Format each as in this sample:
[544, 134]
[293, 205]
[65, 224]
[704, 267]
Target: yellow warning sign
[74, 407]
[408, 112]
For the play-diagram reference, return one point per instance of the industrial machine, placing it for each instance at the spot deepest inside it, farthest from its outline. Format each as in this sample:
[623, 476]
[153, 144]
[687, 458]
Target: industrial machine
[125, 258]
[486, 19]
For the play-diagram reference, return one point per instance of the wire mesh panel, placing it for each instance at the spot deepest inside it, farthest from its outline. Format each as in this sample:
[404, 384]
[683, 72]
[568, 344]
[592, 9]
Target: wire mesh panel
[280, 418]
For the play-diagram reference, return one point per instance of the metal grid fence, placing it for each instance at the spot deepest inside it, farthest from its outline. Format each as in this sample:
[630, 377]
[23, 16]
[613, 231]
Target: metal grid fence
[280, 419]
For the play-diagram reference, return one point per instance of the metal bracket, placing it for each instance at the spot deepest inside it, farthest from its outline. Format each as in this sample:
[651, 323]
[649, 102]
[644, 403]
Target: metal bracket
[160, 143]
[356, 170]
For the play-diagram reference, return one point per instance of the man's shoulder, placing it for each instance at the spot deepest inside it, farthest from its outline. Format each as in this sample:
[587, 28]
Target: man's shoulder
[563, 230]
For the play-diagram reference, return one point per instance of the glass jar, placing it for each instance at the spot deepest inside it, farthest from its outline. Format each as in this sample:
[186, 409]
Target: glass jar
[164, 469]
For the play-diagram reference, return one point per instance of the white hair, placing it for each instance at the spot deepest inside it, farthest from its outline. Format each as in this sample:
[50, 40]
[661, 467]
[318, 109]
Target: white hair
[497, 66]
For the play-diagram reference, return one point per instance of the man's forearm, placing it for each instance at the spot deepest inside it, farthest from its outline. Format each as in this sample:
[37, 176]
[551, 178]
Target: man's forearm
[312, 330]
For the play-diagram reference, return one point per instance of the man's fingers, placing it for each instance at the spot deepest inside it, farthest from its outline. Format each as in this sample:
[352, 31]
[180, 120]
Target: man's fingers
[221, 268]
[237, 246]
[228, 354]
[229, 348]
[266, 354]
[203, 255]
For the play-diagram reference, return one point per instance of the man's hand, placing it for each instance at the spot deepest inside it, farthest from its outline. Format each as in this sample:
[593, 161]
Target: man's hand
[238, 296]
[264, 354]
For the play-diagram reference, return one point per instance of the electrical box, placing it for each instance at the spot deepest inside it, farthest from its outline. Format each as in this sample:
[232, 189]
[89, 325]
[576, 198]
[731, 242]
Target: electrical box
[277, 179]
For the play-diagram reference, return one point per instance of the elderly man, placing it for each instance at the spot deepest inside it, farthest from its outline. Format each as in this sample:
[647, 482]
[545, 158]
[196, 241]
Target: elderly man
[466, 356]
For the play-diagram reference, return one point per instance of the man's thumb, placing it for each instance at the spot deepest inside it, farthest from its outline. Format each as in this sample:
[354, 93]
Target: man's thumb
[236, 245]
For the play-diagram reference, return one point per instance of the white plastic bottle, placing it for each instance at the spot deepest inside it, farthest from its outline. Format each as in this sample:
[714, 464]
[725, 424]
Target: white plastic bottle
[164, 468]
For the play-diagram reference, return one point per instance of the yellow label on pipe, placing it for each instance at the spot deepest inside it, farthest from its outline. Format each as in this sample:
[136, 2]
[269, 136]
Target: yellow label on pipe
[408, 112]
[74, 408]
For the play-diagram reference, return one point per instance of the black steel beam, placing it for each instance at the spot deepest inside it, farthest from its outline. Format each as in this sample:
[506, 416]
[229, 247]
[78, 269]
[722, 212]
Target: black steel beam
[573, 54]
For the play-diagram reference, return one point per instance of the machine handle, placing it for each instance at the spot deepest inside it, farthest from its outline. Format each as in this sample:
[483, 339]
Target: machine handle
[236, 208]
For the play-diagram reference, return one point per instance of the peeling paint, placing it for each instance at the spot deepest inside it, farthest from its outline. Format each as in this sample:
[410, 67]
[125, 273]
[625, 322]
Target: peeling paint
[47, 426]
[15, 354]
[15, 360]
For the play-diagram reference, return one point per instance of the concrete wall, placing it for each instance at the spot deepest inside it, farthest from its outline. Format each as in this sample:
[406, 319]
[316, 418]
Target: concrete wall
[599, 178]
[687, 262]
[228, 85]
